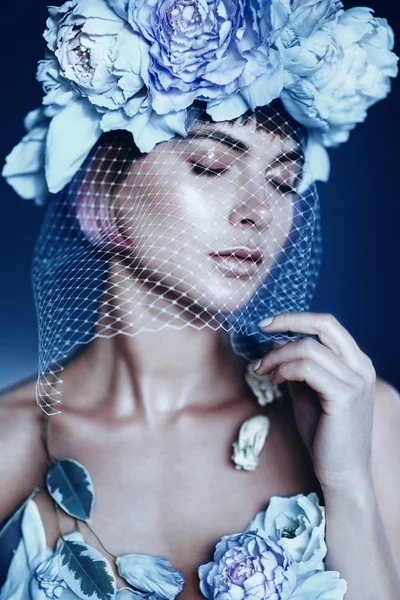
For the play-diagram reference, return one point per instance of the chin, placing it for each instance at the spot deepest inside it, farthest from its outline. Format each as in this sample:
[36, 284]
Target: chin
[219, 297]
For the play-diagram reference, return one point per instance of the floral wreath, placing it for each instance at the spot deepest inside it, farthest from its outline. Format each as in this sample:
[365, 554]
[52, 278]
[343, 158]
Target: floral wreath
[137, 65]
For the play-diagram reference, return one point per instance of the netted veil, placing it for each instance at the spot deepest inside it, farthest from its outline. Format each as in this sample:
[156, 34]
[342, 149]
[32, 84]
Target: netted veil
[213, 229]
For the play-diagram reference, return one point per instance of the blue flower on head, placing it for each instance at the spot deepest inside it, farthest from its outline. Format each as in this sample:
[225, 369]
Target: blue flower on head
[209, 51]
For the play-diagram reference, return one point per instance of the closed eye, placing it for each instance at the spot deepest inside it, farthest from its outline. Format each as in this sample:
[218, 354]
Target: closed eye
[284, 176]
[200, 169]
[284, 188]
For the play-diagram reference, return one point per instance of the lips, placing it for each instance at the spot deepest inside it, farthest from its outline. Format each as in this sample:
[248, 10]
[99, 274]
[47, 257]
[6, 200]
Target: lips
[254, 256]
[238, 262]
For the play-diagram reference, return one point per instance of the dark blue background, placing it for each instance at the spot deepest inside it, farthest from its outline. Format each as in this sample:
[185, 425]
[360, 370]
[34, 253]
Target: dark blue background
[360, 212]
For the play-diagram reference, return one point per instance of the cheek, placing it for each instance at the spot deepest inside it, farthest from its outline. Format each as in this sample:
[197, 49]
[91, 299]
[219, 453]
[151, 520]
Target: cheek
[282, 215]
[163, 212]
[199, 203]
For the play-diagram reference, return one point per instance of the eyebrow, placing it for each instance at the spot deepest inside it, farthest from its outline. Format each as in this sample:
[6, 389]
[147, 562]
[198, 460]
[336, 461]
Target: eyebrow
[222, 137]
[241, 147]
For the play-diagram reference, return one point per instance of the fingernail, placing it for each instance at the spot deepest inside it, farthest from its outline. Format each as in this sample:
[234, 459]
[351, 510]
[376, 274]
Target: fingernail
[266, 322]
[256, 364]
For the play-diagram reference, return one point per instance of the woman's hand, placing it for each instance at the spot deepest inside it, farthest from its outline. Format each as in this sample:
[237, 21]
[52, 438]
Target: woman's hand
[332, 383]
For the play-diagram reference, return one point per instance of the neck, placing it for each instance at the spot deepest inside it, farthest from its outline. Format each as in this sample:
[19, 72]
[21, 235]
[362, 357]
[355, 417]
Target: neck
[152, 374]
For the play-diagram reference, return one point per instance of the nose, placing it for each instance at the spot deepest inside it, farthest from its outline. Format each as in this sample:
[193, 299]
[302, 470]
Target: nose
[251, 207]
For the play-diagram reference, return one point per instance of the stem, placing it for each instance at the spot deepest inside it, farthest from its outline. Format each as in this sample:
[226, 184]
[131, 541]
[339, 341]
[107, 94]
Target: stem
[51, 461]
[57, 510]
[50, 458]
[99, 540]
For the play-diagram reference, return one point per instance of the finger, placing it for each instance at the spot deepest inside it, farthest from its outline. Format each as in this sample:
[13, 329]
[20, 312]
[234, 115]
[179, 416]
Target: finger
[329, 332]
[307, 349]
[327, 386]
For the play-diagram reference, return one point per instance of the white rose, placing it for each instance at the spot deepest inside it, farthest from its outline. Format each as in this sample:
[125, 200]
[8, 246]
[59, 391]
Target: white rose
[297, 524]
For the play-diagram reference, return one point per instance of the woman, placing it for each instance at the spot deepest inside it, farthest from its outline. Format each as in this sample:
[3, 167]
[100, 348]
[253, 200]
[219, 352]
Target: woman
[208, 232]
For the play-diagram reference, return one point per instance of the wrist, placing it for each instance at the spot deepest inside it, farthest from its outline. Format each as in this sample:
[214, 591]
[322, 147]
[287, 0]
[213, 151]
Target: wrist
[359, 493]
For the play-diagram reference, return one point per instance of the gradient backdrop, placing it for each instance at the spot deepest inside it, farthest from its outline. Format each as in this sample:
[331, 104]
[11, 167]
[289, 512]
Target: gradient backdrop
[360, 212]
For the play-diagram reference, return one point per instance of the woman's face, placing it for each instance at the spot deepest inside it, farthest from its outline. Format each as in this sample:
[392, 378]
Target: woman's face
[206, 215]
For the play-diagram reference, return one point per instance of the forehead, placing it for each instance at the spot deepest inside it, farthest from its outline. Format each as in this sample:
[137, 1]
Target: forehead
[249, 138]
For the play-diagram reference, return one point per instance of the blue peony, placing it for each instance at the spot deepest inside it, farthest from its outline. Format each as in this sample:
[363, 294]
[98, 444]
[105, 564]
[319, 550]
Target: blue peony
[249, 566]
[280, 556]
[218, 51]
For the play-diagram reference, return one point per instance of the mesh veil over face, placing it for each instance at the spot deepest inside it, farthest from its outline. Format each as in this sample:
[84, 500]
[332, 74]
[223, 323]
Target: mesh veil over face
[209, 230]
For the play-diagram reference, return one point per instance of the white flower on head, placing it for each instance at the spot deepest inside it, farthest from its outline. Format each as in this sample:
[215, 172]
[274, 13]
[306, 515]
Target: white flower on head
[307, 56]
[97, 52]
[362, 77]
[58, 91]
[298, 525]
[308, 16]
[333, 92]
[304, 41]
[25, 165]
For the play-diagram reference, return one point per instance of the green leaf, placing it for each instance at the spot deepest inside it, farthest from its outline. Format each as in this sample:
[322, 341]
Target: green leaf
[71, 487]
[86, 572]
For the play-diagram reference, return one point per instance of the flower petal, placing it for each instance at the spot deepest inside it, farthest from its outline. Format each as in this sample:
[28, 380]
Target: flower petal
[151, 574]
[148, 128]
[267, 87]
[30, 553]
[321, 586]
[72, 134]
[227, 108]
[120, 7]
[24, 167]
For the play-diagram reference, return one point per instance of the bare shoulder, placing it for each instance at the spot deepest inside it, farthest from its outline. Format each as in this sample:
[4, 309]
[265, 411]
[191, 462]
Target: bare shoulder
[23, 460]
[386, 459]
